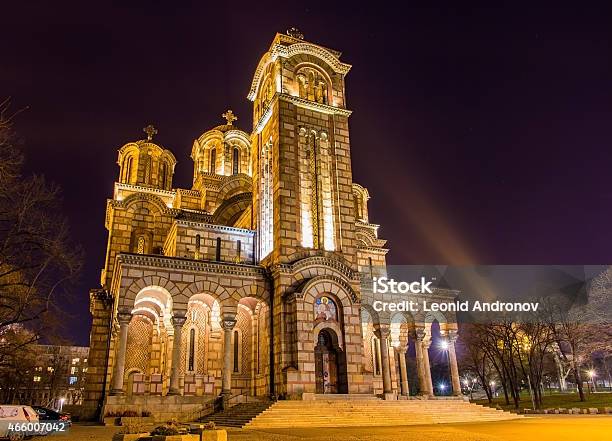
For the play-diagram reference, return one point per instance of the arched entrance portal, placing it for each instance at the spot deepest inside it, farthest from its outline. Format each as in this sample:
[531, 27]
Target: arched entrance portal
[330, 364]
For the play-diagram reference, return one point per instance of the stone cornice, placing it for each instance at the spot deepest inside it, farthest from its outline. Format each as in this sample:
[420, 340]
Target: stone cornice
[179, 263]
[188, 223]
[307, 104]
[312, 105]
[374, 250]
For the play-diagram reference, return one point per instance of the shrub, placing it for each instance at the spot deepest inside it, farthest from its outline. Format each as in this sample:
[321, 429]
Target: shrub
[167, 429]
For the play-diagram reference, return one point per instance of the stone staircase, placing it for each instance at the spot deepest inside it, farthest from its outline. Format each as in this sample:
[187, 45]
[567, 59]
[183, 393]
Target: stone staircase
[343, 412]
[238, 415]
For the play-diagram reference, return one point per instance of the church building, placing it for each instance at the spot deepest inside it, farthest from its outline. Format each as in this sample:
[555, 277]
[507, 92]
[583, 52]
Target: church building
[255, 283]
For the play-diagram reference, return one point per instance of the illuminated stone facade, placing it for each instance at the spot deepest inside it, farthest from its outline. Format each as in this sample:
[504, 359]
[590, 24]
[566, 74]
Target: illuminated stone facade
[257, 269]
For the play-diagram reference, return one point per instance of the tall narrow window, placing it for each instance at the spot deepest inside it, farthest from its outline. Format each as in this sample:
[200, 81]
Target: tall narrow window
[127, 172]
[213, 161]
[376, 355]
[314, 195]
[191, 361]
[371, 269]
[140, 247]
[218, 250]
[198, 241]
[236, 349]
[266, 221]
[162, 175]
[238, 251]
[236, 161]
[147, 170]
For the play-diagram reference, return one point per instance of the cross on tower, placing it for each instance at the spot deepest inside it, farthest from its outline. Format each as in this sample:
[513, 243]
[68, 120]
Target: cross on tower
[150, 131]
[229, 116]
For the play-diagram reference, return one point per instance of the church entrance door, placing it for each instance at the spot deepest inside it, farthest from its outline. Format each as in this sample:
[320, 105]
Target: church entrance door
[326, 364]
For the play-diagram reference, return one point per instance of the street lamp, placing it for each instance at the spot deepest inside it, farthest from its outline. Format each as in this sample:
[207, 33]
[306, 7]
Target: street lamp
[61, 403]
[592, 374]
[442, 387]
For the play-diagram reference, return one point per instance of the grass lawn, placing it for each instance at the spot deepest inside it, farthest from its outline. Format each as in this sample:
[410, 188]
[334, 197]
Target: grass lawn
[556, 400]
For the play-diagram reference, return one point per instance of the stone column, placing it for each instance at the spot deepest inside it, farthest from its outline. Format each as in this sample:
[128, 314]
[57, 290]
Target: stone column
[383, 334]
[124, 319]
[403, 372]
[454, 369]
[427, 367]
[177, 323]
[422, 365]
[228, 324]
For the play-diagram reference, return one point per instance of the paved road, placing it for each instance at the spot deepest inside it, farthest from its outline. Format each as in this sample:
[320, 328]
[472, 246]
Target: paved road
[545, 428]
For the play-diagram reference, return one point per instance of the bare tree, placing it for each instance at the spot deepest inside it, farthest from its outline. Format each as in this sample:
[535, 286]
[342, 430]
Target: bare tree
[37, 260]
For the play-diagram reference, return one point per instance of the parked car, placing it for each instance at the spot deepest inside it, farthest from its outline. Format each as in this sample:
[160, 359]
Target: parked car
[17, 422]
[46, 414]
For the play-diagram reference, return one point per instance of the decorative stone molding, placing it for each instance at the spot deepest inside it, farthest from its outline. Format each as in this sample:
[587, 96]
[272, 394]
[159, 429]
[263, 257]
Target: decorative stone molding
[331, 280]
[313, 105]
[124, 317]
[178, 320]
[178, 263]
[228, 323]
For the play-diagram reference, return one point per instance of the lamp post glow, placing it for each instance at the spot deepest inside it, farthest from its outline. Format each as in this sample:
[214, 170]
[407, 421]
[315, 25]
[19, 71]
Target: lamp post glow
[61, 401]
[592, 374]
[442, 387]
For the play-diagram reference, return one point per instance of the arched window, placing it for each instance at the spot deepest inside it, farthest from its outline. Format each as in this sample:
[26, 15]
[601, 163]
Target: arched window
[198, 242]
[147, 170]
[236, 351]
[212, 165]
[191, 359]
[127, 170]
[312, 85]
[376, 362]
[236, 161]
[218, 250]
[163, 175]
[140, 245]
[325, 309]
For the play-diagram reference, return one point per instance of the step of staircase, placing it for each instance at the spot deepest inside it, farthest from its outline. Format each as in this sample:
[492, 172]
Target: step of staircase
[336, 412]
[238, 415]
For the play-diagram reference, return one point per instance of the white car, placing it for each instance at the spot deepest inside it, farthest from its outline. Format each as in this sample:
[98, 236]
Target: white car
[18, 422]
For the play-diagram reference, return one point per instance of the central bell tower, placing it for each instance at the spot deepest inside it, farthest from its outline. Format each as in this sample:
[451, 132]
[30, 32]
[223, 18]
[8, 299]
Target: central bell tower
[302, 181]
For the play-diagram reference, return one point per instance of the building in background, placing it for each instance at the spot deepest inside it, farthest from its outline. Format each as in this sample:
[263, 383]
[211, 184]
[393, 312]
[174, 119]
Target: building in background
[55, 378]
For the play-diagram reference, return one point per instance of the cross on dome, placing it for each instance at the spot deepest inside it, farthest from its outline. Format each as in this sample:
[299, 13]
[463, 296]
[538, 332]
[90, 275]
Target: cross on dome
[229, 116]
[150, 131]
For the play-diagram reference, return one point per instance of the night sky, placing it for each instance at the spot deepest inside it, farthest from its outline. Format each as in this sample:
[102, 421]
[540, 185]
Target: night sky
[483, 135]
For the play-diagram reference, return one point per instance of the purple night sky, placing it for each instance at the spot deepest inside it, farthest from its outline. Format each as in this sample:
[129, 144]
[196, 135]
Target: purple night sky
[483, 135]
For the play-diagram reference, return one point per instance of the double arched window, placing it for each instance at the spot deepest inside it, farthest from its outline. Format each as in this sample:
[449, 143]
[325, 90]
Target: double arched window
[312, 85]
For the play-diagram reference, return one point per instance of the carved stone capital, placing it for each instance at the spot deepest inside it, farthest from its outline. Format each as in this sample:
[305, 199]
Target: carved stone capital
[228, 324]
[452, 336]
[124, 318]
[178, 320]
[382, 332]
[420, 334]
